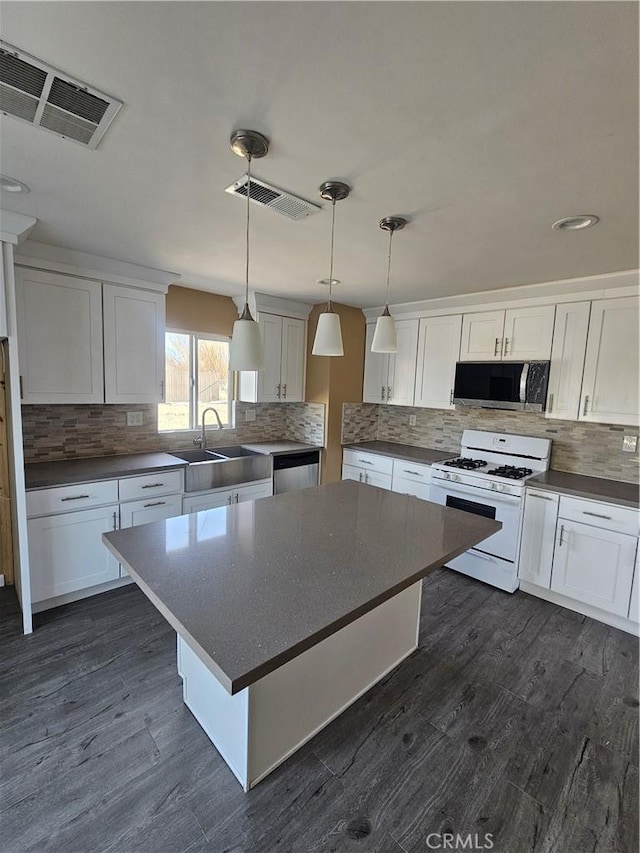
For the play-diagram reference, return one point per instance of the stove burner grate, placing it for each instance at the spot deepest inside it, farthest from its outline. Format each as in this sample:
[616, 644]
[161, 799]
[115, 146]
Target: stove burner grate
[511, 472]
[466, 464]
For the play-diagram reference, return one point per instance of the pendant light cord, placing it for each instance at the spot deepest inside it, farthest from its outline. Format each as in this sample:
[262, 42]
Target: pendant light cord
[389, 268]
[246, 291]
[333, 223]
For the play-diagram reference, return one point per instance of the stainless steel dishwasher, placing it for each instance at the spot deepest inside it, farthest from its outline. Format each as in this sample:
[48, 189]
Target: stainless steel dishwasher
[295, 471]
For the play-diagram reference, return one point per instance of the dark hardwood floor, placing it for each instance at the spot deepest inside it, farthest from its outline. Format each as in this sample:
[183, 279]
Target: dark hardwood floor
[514, 717]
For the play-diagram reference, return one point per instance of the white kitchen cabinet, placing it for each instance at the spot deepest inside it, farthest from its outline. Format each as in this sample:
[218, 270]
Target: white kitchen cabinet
[538, 537]
[405, 486]
[594, 565]
[66, 552]
[517, 334]
[367, 468]
[284, 350]
[610, 382]
[350, 472]
[59, 338]
[135, 513]
[390, 378]
[567, 360]
[438, 352]
[226, 497]
[134, 324]
[252, 493]
[634, 604]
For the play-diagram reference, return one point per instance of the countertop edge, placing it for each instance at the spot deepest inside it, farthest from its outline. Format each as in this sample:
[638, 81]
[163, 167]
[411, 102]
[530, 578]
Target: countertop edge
[114, 474]
[584, 494]
[407, 456]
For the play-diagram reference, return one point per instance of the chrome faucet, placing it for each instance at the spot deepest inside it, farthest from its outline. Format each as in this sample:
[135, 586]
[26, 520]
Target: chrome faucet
[202, 438]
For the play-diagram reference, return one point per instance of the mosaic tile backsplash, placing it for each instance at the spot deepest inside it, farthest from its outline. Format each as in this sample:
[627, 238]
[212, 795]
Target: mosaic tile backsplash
[69, 432]
[581, 448]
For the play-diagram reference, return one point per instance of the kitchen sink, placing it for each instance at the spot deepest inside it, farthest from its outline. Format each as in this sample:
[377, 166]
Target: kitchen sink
[223, 467]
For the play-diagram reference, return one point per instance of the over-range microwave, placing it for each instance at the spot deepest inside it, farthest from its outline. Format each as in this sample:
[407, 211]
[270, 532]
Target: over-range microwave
[518, 385]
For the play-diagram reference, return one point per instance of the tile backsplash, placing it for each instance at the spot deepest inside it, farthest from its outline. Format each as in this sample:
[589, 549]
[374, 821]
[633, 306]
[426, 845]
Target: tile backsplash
[581, 448]
[69, 432]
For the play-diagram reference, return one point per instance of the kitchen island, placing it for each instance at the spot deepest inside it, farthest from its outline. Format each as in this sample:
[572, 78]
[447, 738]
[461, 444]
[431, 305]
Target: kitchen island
[289, 608]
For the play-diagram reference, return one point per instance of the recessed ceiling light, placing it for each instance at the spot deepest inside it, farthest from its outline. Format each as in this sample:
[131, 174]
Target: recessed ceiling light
[12, 185]
[576, 223]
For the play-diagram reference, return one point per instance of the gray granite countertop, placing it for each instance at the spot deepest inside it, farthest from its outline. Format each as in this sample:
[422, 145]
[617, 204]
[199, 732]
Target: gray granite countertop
[402, 451]
[278, 448]
[253, 585]
[581, 486]
[42, 475]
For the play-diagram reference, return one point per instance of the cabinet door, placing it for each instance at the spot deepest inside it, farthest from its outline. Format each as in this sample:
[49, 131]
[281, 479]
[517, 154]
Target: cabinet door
[252, 493]
[66, 552]
[567, 361]
[410, 487]
[634, 604]
[538, 537]
[438, 352]
[269, 379]
[373, 478]
[376, 371]
[59, 338]
[482, 336]
[528, 333]
[350, 472]
[144, 512]
[594, 565]
[610, 384]
[401, 379]
[212, 501]
[293, 358]
[133, 345]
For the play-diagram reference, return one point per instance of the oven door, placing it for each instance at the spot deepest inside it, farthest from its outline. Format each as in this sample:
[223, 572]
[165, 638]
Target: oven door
[503, 508]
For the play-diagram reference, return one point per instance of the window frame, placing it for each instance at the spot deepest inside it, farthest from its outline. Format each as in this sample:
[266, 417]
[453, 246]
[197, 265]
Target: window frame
[194, 337]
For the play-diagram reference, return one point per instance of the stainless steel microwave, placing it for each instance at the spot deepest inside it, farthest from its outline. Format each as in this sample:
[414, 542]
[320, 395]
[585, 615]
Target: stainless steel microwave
[519, 385]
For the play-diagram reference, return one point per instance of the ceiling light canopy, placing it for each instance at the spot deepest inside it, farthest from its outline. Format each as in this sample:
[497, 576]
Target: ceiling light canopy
[12, 185]
[384, 337]
[576, 223]
[245, 351]
[328, 339]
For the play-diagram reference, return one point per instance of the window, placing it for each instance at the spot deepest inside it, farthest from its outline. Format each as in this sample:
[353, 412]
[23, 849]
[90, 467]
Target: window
[196, 377]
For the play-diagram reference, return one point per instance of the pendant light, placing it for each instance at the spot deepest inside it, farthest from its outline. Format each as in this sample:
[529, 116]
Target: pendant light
[245, 351]
[328, 340]
[384, 337]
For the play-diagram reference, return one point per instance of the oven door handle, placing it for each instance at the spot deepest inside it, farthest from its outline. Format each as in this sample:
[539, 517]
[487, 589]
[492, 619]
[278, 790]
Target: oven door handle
[524, 376]
[471, 493]
[482, 556]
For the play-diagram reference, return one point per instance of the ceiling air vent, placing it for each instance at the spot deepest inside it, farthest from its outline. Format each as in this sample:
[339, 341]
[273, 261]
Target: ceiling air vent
[266, 195]
[33, 91]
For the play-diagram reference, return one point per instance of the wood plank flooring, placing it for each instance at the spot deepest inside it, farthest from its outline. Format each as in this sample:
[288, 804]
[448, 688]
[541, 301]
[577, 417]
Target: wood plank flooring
[514, 717]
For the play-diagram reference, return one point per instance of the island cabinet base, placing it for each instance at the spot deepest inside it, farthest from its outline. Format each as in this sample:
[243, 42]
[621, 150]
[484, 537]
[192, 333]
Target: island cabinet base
[259, 727]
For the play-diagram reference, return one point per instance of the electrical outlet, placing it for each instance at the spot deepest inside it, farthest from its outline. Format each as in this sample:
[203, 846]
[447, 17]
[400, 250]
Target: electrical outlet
[134, 418]
[250, 414]
[630, 443]
[412, 420]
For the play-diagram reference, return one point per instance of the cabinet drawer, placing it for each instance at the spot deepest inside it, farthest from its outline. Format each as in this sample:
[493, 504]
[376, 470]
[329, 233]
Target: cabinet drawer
[608, 516]
[368, 461]
[411, 471]
[68, 498]
[163, 483]
[410, 487]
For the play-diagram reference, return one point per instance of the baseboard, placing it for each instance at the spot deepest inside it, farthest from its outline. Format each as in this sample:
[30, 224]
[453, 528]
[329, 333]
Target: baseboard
[79, 594]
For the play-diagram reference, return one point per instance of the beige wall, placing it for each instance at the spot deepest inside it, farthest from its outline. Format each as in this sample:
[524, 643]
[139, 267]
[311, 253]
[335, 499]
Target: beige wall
[334, 381]
[198, 311]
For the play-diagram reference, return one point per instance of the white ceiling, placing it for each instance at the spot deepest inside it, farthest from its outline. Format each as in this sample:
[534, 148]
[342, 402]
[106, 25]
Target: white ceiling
[482, 122]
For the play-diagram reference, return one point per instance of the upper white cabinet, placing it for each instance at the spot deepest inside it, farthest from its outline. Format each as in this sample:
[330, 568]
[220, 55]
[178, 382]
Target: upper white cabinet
[438, 351]
[610, 383]
[82, 341]
[390, 378]
[59, 338]
[134, 323]
[284, 349]
[567, 360]
[517, 334]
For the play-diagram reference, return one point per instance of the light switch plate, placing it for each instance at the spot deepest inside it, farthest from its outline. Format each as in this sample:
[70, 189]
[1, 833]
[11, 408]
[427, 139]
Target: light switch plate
[630, 443]
[134, 419]
[250, 415]
[412, 420]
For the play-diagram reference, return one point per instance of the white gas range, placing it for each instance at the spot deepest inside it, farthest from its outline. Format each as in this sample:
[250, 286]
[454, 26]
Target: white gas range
[489, 479]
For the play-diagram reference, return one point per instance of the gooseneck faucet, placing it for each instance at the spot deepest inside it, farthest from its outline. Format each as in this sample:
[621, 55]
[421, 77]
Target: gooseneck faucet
[202, 438]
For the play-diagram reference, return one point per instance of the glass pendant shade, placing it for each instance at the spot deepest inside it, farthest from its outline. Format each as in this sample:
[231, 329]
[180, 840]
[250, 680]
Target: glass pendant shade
[245, 350]
[328, 340]
[384, 337]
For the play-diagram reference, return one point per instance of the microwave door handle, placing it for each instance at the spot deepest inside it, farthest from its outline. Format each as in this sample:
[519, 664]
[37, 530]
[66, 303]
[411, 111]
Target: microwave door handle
[523, 382]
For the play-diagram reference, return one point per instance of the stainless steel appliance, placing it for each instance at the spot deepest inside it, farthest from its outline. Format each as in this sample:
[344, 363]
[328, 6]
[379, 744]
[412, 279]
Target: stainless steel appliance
[520, 385]
[295, 471]
[489, 479]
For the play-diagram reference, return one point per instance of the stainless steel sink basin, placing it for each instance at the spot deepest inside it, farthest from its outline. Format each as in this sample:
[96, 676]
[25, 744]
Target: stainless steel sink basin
[223, 467]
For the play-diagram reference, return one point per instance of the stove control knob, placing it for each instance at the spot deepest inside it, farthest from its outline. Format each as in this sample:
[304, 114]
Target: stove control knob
[455, 478]
[500, 487]
[446, 475]
[494, 486]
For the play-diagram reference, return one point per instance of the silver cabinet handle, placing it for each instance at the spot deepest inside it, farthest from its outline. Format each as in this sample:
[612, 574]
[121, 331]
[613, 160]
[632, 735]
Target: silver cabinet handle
[360, 476]
[542, 497]
[284, 390]
[407, 471]
[152, 485]
[451, 398]
[506, 346]
[561, 534]
[115, 520]
[237, 496]
[388, 393]
[382, 394]
[229, 499]
[155, 503]
[75, 498]
[366, 477]
[278, 387]
[162, 392]
[495, 349]
[365, 461]
[586, 403]
[550, 405]
[596, 515]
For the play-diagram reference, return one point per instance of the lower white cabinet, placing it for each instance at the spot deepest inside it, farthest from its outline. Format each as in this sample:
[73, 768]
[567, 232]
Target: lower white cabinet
[410, 487]
[538, 537]
[144, 512]
[66, 552]
[634, 604]
[227, 497]
[594, 565]
[364, 475]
